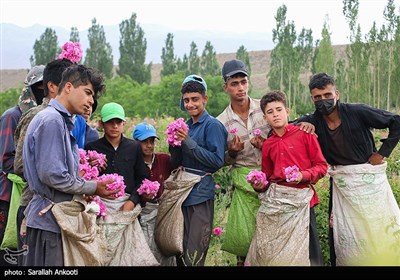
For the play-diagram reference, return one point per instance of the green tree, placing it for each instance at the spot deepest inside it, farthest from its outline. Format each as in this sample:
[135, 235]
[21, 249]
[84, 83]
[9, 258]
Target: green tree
[194, 60]
[132, 49]
[99, 54]
[45, 49]
[325, 56]
[392, 20]
[183, 65]
[243, 55]
[284, 70]
[209, 63]
[74, 35]
[169, 64]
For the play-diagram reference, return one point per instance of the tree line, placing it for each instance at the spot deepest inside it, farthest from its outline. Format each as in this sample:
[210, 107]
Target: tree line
[369, 73]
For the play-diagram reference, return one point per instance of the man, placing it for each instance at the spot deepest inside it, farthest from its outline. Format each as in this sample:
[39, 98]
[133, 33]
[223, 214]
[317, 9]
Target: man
[245, 116]
[52, 75]
[124, 155]
[287, 237]
[344, 133]
[31, 95]
[202, 153]
[51, 163]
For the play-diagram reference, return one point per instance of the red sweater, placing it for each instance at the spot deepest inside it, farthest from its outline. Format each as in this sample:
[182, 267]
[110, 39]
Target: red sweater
[160, 170]
[294, 147]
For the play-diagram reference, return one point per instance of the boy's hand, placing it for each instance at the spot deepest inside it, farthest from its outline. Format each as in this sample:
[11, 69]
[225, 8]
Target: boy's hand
[128, 206]
[101, 189]
[235, 146]
[257, 141]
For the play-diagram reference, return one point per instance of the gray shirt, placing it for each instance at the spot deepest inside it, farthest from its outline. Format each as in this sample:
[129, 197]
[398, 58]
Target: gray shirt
[51, 164]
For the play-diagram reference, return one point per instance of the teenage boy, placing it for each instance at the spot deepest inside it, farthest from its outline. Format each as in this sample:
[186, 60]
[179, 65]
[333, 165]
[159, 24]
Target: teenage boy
[202, 152]
[159, 167]
[124, 155]
[51, 163]
[286, 216]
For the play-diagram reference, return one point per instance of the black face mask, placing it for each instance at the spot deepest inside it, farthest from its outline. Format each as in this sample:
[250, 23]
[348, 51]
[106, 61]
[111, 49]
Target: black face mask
[325, 106]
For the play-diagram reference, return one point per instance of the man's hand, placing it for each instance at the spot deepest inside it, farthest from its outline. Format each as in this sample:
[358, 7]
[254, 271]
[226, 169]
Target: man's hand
[235, 146]
[101, 189]
[257, 141]
[128, 206]
[307, 127]
[147, 197]
[376, 159]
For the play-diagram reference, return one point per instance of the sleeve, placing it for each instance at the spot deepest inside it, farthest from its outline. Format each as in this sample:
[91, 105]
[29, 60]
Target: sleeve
[319, 167]
[381, 119]
[19, 137]
[212, 156]
[141, 173]
[8, 124]
[51, 154]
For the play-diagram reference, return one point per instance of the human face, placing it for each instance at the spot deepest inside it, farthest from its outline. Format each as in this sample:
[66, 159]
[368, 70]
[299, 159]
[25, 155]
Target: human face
[276, 115]
[113, 128]
[325, 100]
[329, 92]
[148, 146]
[237, 88]
[87, 114]
[80, 99]
[195, 104]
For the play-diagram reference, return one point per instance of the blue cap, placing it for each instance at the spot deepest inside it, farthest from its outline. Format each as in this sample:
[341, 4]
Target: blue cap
[194, 78]
[143, 131]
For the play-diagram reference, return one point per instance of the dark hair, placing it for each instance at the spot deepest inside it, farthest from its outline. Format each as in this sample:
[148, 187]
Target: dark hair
[272, 96]
[193, 86]
[53, 73]
[78, 75]
[320, 81]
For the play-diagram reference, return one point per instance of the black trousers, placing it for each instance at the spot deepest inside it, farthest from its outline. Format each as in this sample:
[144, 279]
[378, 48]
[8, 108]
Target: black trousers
[198, 221]
[315, 252]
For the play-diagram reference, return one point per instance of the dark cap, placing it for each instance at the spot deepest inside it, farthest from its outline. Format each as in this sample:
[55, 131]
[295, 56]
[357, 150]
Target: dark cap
[233, 67]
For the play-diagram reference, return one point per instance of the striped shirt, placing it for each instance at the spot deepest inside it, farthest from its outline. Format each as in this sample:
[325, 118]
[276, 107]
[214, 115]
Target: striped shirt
[250, 155]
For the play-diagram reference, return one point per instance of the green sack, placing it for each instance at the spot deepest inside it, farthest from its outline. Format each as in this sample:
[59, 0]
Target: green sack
[241, 222]
[10, 239]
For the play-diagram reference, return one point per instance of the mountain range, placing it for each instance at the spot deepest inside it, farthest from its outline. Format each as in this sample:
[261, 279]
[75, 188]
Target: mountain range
[17, 42]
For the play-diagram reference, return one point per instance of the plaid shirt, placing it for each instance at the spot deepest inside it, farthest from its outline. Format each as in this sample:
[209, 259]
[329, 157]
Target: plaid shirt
[8, 124]
[250, 155]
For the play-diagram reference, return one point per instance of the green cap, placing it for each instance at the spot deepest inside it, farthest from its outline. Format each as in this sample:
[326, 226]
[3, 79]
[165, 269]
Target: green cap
[112, 110]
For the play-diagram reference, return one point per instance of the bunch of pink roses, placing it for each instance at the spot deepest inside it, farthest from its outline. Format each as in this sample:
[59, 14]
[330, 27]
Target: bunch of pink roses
[172, 129]
[292, 173]
[149, 187]
[71, 51]
[86, 159]
[118, 183]
[257, 176]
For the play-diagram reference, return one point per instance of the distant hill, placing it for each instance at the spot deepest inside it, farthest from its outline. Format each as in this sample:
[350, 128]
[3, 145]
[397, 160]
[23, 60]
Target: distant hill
[259, 60]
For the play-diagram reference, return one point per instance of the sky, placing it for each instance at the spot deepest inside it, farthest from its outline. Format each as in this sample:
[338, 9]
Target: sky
[224, 15]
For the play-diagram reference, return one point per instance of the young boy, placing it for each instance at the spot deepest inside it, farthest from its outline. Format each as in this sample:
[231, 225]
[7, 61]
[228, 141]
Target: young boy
[50, 160]
[159, 167]
[286, 219]
[202, 153]
[124, 155]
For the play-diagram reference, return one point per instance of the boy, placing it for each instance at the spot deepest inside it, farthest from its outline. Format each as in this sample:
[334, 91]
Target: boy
[202, 153]
[288, 146]
[51, 162]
